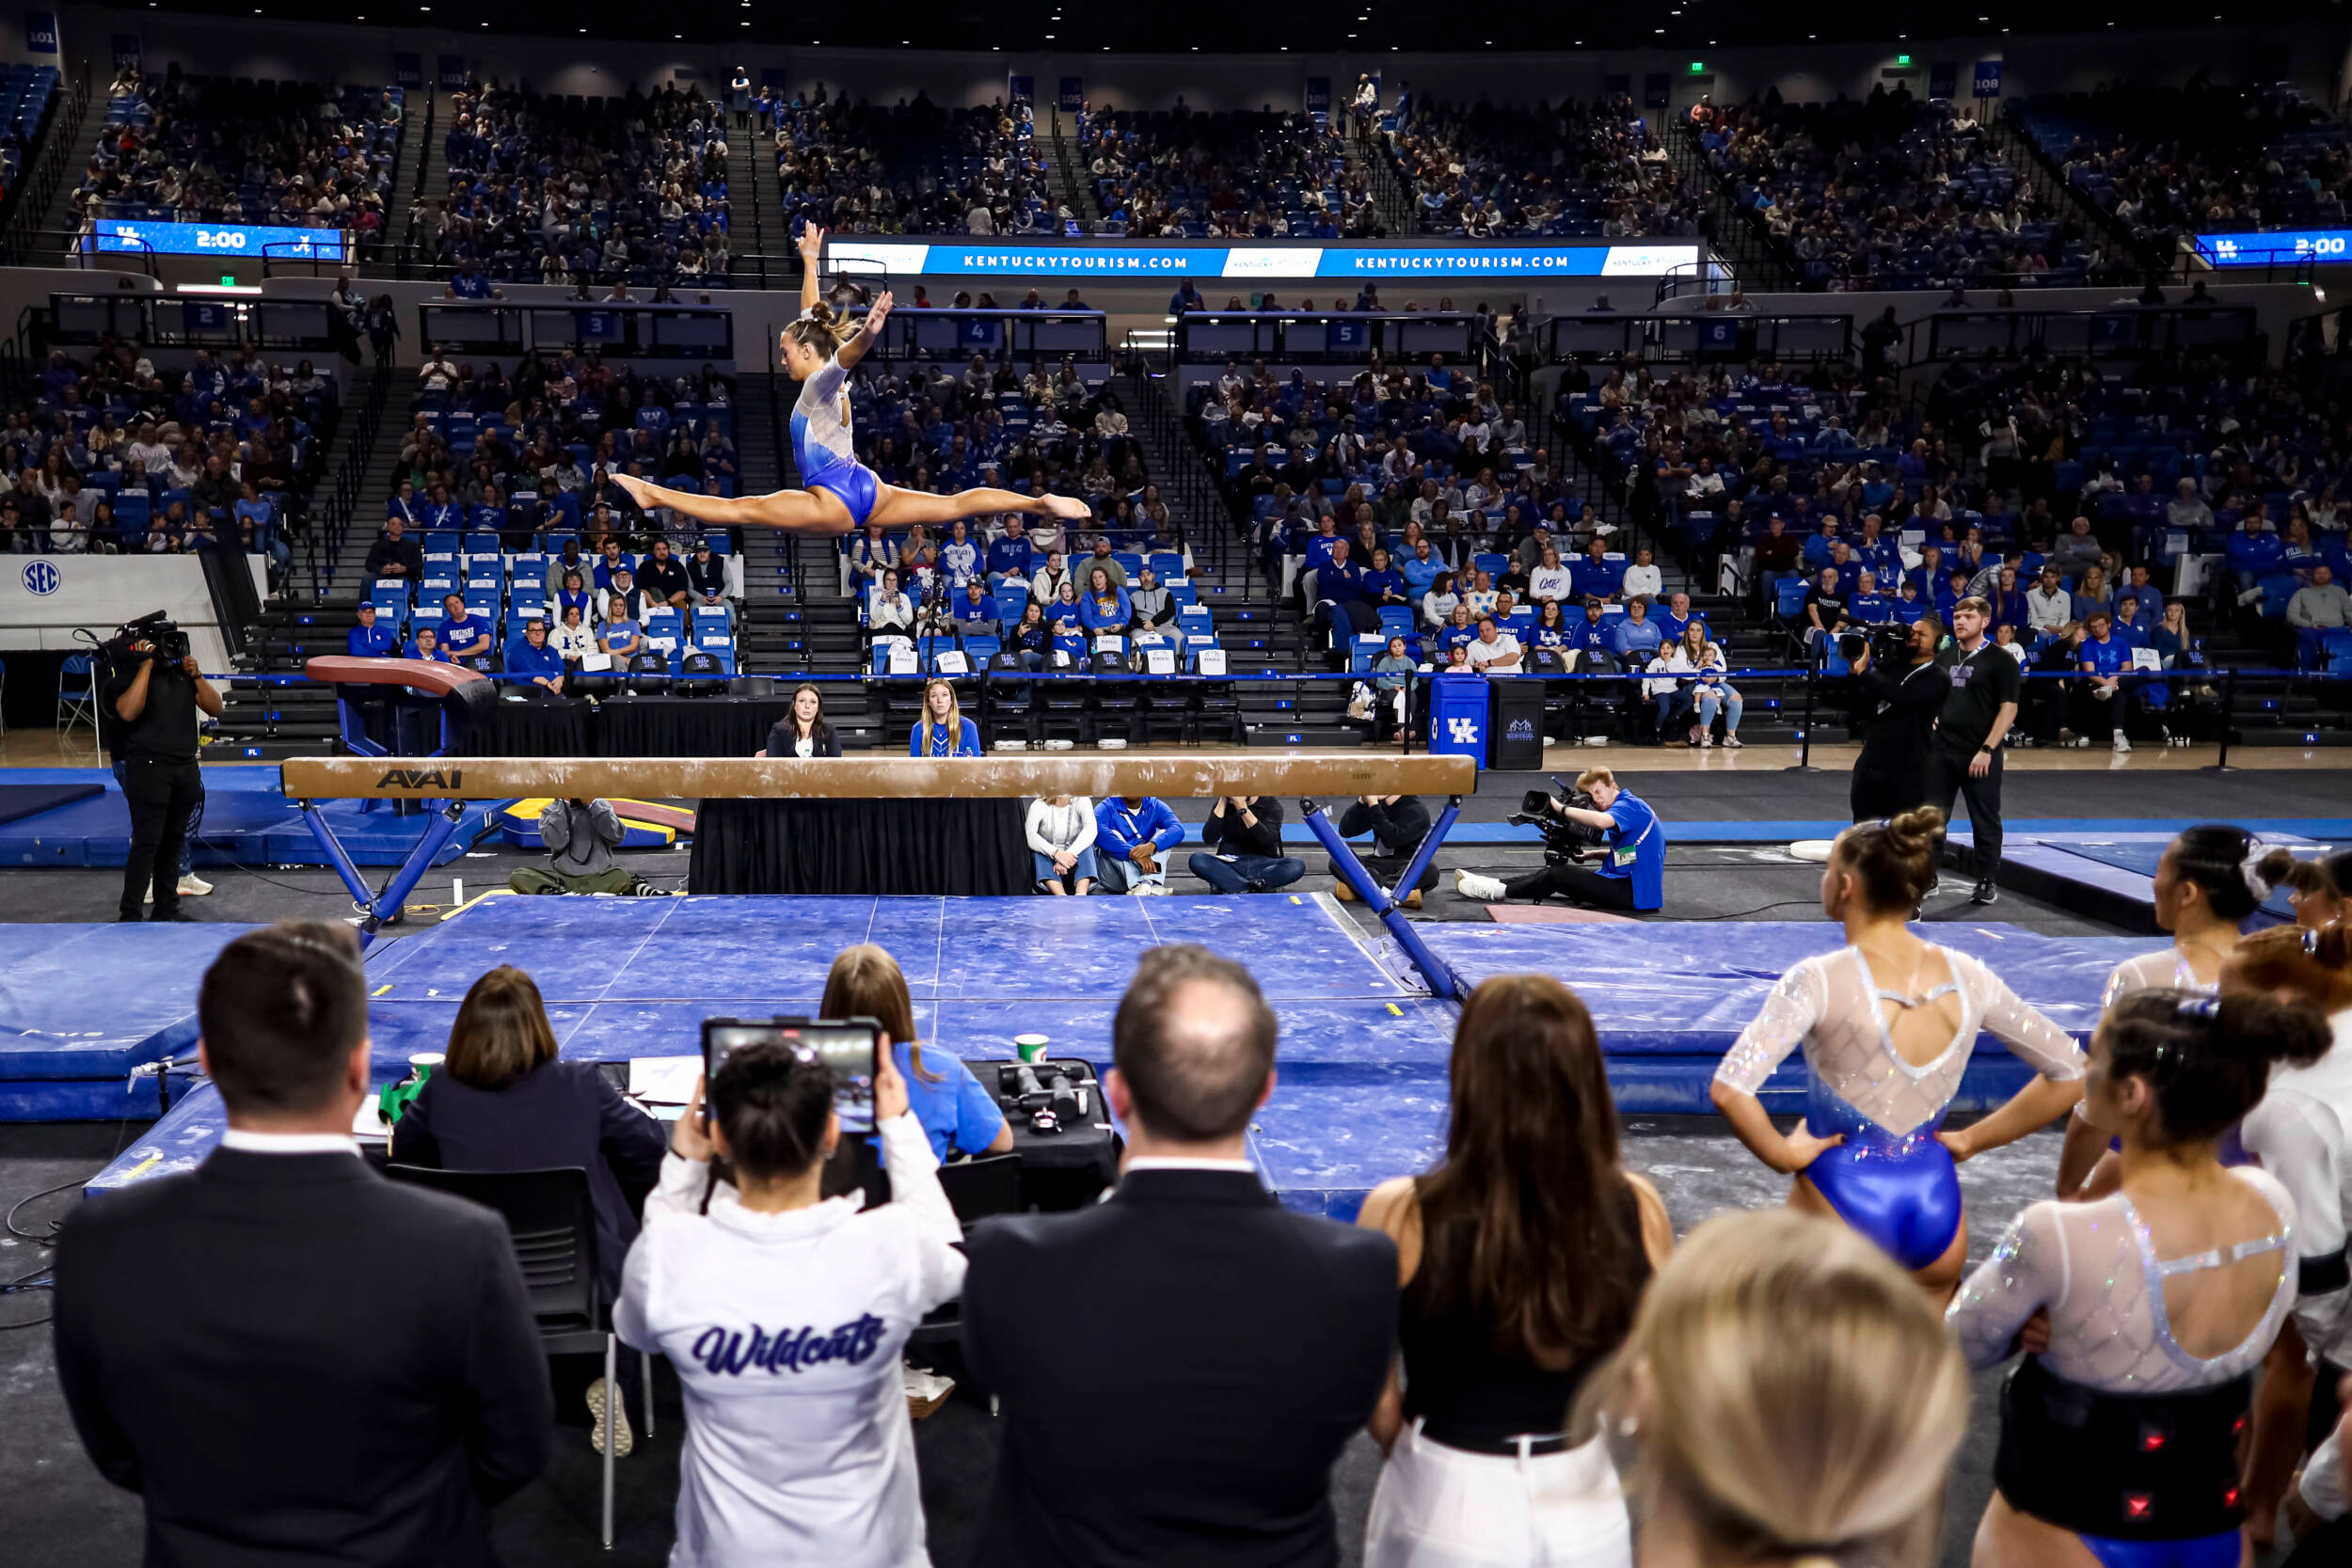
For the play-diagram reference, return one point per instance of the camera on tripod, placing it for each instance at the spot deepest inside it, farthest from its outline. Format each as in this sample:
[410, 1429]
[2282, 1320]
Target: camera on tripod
[1563, 838]
[167, 643]
[1886, 644]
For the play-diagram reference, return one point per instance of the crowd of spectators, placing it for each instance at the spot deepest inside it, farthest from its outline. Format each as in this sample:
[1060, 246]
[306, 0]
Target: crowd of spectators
[1886, 193]
[2171, 162]
[1486, 171]
[914, 168]
[187, 149]
[550, 189]
[513, 472]
[112, 455]
[1267, 175]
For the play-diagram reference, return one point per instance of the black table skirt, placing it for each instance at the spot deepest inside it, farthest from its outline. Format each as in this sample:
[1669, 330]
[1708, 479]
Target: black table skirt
[928, 847]
[534, 729]
[687, 726]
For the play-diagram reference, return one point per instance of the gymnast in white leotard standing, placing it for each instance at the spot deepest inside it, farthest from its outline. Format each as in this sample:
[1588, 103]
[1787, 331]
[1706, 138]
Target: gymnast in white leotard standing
[840, 493]
[2206, 881]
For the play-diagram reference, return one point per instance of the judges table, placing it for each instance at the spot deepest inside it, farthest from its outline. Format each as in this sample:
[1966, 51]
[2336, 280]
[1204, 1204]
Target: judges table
[629, 727]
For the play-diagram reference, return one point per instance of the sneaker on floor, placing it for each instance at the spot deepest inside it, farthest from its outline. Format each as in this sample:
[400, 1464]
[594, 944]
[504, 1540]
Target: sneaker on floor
[2122, 744]
[623, 1439]
[1986, 892]
[1483, 889]
[1340, 891]
[1413, 899]
[1734, 743]
[1150, 890]
[194, 886]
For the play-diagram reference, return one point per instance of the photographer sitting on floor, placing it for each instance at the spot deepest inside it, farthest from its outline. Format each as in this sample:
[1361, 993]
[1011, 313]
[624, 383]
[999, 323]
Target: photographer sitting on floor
[580, 836]
[1597, 822]
[1397, 824]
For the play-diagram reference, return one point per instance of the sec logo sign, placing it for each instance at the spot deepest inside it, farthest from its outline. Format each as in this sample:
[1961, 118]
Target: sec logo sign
[42, 579]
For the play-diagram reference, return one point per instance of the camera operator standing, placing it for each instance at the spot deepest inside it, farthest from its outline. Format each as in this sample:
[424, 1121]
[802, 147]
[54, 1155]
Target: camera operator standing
[1601, 822]
[155, 701]
[1896, 711]
[1979, 705]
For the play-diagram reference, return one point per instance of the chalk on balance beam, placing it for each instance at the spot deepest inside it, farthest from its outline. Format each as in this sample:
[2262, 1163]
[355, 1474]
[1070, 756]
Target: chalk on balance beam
[1333, 775]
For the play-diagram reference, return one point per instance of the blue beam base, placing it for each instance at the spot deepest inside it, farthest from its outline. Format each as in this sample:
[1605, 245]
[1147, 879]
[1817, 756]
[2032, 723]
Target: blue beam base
[1443, 982]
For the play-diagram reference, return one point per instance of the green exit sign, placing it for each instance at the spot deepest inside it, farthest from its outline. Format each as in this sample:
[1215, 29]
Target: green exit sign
[229, 278]
[1697, 66]
[1902, 60]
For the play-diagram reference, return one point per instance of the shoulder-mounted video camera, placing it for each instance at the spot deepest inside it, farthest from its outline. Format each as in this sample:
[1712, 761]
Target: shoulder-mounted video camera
[165, 643]
[1563, 838]
[1888, 644]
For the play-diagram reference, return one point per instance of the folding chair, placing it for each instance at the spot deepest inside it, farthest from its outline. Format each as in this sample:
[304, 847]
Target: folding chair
[552, 1222]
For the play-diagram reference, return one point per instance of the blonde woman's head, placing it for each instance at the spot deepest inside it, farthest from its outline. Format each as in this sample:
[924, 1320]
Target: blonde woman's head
[1792, 1397]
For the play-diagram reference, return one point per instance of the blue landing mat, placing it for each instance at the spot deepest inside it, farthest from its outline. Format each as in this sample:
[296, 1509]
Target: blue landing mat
[81, 1006]
[18, 800]
[242, 826]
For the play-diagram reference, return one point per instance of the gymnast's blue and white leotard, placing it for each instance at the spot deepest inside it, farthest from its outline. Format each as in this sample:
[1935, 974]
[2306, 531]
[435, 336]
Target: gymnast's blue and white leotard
[1890, 1180]
[821, 444]
[2093, 1268]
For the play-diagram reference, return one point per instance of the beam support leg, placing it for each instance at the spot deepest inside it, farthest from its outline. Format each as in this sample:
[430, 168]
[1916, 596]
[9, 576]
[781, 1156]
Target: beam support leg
[1443, 982]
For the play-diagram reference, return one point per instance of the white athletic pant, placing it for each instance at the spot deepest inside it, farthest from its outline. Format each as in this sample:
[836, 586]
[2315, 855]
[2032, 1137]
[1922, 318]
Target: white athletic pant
[1437, 1507]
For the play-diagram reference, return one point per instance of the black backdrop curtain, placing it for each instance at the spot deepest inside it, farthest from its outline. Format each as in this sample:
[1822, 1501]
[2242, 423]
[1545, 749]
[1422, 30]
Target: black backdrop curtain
[628, 727]
[928, 847]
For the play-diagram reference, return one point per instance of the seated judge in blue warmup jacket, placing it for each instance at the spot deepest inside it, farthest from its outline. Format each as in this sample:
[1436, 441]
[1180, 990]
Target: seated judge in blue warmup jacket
[501, 1102]
[956, 1110]
[943, 731]
[370, 638]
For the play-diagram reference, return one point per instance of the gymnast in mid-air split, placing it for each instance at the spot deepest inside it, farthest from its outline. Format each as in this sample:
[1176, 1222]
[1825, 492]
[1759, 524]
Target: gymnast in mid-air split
[841, 493]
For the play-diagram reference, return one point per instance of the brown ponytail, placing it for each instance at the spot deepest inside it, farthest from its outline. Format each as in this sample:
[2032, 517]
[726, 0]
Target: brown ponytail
[2314, 965]
[821, 327]
[1893, 859]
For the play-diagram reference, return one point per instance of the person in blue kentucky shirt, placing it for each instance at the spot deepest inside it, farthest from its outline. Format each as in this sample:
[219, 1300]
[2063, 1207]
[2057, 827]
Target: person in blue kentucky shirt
[370, 638]
[1132, 836]
[1631, 874]
[2096, 705]
[943, 731]
[466, 638]
[539, 666]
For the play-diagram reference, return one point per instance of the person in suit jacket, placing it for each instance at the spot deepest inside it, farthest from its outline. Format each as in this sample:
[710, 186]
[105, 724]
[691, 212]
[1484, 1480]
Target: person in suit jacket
[1250, 1341]
[803, 732]
[501, 1102]
[289, 1357]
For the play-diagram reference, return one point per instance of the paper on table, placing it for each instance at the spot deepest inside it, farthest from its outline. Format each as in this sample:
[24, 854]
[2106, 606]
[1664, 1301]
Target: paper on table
[664, 1079]
[368, 1120]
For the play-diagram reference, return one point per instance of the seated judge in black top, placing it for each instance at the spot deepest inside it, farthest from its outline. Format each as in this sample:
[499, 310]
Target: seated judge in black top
[1249, 1341]
[803, 732]
[289, 1357]
[1523, 1256]
[501, 1102]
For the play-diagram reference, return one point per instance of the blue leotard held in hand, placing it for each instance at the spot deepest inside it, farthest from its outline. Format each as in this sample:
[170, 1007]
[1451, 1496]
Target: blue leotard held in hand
[1890, 1180]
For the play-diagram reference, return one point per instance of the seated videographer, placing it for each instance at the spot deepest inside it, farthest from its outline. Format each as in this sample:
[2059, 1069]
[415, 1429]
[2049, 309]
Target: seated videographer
[580, 836]
[1896, 711]
[155, 703]
[786, 1313]
[1397, 824]
[1623, 840]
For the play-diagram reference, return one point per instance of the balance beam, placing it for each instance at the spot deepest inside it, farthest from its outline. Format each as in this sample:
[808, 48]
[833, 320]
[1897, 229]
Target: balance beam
[1284, 773]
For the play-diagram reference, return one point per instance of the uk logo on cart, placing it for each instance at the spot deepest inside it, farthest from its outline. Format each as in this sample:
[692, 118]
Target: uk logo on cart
[42, 579]
[1464, 730]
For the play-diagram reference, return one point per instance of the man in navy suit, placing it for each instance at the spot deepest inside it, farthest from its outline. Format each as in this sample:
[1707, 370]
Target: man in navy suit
[1251, 1342]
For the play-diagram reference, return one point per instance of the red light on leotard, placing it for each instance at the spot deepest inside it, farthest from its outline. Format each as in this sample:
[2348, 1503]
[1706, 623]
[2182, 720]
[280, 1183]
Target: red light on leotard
[2138, 1505]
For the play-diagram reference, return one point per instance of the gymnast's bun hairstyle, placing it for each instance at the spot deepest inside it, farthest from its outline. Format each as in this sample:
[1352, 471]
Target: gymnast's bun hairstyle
[2228, 865]
[1790, 1395]
[772, 1106]
[2330, 877]
[2315, 966]
[2208, 1059]
[1893, 859]
[821, 327]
